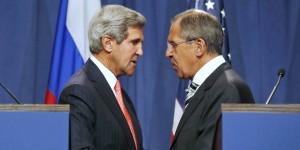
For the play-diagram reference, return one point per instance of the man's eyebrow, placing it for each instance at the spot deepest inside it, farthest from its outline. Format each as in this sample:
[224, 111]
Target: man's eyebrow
[137, 40]
[171, 42]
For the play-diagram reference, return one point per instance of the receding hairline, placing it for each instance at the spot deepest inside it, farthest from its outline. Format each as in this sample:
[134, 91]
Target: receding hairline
[187, 13]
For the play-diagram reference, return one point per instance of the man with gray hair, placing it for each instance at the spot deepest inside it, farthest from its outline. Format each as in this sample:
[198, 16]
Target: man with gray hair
[194, 47]
[102, 115]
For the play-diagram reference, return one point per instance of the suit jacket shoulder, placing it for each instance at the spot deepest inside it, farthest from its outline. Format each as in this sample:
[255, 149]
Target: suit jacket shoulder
[96, 120]
[199, 125]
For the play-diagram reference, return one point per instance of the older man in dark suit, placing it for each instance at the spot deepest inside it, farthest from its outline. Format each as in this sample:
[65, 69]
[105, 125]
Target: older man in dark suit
[102, 115]
[194, 47]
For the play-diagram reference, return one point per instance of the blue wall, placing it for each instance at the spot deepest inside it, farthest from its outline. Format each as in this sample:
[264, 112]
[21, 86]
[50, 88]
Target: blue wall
[263, 36]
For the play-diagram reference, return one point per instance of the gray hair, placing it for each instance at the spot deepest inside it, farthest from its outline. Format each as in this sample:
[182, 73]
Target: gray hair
[112, 20]
[200, 24]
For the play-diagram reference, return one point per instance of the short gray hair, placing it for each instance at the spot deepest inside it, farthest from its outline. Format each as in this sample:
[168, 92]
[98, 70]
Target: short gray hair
[112, 20]
[200, 24]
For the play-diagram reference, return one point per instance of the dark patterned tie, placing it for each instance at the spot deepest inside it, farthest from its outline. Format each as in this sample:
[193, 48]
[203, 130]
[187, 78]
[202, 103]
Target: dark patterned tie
[190, 92]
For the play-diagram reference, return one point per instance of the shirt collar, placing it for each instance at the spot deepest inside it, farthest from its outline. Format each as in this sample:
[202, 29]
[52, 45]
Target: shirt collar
[207, 69]
[108, 75]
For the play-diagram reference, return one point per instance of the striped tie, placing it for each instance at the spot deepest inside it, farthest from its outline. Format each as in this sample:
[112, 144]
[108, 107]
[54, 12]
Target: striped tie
[190, 92]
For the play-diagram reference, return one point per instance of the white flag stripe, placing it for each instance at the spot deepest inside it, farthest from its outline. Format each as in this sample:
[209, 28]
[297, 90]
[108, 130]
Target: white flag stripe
[79, 15]
[177, 115]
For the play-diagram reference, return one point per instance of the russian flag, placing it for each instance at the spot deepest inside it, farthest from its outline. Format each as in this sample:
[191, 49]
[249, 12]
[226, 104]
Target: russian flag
[71, 47]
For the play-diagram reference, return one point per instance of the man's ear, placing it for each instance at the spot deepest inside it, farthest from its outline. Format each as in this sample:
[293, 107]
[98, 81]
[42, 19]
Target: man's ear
[201, 47]
[106, 41]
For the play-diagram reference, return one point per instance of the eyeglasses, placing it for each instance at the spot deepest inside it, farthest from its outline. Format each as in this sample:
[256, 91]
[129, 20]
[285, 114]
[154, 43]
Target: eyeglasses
[172, 45]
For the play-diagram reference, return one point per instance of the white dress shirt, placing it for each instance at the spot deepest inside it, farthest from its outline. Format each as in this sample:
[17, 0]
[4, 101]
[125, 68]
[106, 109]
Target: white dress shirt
[207, 69]
[108, 75]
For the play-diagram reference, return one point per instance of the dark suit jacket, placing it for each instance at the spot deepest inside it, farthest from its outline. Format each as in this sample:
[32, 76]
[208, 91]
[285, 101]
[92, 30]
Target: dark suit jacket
[96, 120]
[199, 127]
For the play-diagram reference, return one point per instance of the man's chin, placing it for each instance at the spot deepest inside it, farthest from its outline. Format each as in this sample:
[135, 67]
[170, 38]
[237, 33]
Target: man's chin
[181, 76]
[130, 73]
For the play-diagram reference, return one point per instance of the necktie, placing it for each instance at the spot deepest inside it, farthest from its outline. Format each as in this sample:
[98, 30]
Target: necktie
[190, 92]
[124, 110]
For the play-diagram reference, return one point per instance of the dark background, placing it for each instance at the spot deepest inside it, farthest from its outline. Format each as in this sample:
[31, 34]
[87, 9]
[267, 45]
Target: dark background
[264, 36]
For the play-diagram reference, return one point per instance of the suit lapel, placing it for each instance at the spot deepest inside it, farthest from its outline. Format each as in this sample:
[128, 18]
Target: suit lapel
[109, 98]
[194, 102]
[198, 97]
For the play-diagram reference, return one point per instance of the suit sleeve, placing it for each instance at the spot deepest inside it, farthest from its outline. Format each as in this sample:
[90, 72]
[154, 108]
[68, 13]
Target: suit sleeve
[81, 116]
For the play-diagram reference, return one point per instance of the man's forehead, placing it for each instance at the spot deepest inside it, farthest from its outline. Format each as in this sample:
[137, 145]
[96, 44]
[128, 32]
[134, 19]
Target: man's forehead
[134, 34]
[174, 31]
